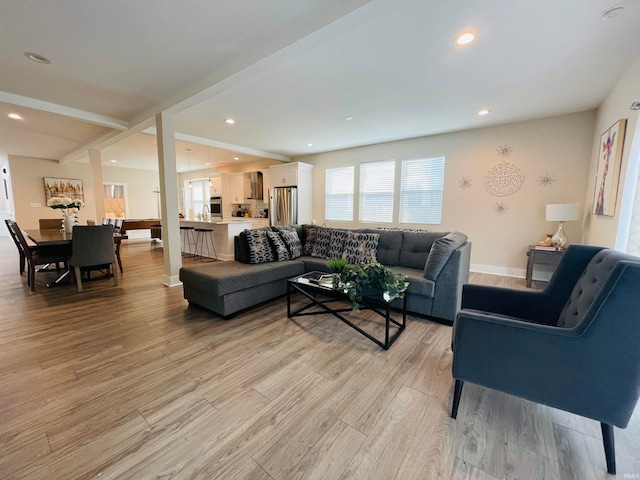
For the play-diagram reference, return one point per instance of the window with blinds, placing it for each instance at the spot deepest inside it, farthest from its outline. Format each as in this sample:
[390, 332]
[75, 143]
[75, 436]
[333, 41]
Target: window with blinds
[421, 190]
[376, 191]
[339, 194]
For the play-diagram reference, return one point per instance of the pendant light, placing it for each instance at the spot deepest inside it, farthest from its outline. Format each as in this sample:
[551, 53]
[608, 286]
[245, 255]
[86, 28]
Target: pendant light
[189, 154]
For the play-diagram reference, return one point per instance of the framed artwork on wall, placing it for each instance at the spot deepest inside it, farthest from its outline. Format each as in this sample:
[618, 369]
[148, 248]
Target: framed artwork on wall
[608, 173]
[63, 187]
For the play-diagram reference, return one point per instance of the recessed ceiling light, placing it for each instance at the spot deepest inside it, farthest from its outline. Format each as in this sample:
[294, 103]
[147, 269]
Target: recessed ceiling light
[37, 58]
[236, 158]
[229, 121]
[611, 13]
[114, 161]
[349, 117]
[484, 112]
[465, 39]
[15, 116]
[309, 144]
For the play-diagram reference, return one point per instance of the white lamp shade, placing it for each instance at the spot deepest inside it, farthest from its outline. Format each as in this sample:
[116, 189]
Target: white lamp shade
[563, 212]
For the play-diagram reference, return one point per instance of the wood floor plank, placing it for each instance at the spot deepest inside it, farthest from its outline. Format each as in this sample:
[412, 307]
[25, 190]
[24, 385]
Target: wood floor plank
[131, 382]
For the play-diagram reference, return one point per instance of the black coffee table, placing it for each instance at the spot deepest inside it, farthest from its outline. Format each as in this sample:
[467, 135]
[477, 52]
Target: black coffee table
[323, 296]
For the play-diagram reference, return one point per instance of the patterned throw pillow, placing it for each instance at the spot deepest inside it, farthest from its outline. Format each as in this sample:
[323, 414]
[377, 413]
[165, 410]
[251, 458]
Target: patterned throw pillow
[280, 228]
[321, 245]
[281, 249]
[259, 246]
[292, 241]
[336, 243]
[310, 233]
[360, 247]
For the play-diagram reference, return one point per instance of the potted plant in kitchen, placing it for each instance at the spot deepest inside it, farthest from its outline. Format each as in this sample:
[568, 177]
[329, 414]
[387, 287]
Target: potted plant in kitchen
[367, 278]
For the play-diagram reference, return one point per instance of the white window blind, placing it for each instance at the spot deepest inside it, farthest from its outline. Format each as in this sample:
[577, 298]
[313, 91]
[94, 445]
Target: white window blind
[339, 194]
[421, 190]
[376, 191]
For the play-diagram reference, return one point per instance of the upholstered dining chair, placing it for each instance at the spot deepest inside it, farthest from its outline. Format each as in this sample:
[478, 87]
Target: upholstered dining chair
[35, 256]
[572, 346]
[92, 246]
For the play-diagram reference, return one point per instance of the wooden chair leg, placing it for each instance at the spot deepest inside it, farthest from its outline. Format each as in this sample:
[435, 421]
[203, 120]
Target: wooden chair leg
[457, 393]
[78, 276]
[32, 276]
[115, 274]
[609, 447]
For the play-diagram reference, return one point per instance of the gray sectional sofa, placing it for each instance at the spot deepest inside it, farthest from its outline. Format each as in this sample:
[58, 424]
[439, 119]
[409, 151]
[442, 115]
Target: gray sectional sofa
[435, 275]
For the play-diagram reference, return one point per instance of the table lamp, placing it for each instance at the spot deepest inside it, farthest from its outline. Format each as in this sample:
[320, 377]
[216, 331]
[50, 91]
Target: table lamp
[562, 212]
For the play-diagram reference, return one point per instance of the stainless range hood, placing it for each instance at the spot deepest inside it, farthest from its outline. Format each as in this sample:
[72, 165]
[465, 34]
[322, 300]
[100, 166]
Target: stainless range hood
[255, 179]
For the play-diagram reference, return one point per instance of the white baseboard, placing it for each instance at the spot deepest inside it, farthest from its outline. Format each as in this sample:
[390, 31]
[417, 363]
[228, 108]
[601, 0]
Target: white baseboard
[493, 270]
[171, 281]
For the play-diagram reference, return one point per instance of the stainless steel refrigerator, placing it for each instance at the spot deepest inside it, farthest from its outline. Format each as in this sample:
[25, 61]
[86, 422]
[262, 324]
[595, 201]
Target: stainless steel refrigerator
[283, 205]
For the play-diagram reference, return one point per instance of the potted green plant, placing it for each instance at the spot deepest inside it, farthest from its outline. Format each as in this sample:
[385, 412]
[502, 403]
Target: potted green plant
[337, 266]
[365, 278]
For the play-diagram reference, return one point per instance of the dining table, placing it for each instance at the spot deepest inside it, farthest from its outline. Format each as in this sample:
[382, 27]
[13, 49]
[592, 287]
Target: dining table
[57, 237]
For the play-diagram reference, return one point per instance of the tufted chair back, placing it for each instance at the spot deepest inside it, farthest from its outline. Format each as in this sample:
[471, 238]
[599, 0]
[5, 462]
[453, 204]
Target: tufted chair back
[590, 285]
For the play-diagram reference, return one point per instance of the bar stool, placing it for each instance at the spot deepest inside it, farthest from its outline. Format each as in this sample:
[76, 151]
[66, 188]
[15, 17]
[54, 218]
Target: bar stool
[156, 236]
[187, 240]
[204, 239]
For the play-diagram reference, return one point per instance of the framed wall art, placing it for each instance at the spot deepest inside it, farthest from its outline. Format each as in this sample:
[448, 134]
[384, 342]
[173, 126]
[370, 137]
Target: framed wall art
[63, 187]
[608, 173]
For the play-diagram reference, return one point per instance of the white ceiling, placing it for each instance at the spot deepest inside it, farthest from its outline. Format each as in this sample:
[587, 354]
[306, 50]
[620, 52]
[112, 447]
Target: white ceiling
[289, 72]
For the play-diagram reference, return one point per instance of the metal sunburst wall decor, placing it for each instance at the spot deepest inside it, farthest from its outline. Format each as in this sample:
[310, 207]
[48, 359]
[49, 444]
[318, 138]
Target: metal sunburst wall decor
[500, 208]
[504, 150]
[503, 179]
[465, 183]
[546, 180]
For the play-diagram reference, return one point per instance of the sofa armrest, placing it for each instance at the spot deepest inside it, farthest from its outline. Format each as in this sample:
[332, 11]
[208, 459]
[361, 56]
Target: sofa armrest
[241, 249]
[448, 287]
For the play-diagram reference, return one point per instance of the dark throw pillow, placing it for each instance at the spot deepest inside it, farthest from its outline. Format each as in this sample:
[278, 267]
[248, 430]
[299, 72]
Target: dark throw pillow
[336, 243]
[321, 245]
[310, 232]
[282, 253]
[259, 246]
[360, 247]
[292, 241]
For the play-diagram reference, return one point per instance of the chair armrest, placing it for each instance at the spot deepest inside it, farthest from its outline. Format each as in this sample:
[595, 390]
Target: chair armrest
[534, 306]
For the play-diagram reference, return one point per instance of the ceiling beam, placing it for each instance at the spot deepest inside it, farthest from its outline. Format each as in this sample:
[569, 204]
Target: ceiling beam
[74, 113]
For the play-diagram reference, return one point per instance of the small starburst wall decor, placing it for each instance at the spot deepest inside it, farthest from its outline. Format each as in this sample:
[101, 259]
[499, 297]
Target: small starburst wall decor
[465, 183]
[546, 180]
[504, 150]
[500, 208]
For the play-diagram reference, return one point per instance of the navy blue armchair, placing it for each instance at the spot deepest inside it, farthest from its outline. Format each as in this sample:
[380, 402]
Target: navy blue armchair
[572, 346]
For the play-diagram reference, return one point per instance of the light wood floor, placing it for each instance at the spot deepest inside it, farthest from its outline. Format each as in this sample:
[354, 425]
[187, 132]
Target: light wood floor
[129, 382]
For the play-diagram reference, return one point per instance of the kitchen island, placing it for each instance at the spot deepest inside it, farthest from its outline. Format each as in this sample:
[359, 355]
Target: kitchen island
[223, 233]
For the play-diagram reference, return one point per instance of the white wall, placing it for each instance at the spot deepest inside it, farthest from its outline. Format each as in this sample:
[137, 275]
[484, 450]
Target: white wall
[559, 146]
[28, 188]
[604, 230]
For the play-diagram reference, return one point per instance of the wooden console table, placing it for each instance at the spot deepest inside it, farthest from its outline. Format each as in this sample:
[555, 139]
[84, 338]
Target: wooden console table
[551, 258]
[139, 224]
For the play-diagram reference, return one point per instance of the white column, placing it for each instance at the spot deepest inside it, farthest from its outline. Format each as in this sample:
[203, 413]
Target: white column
[95, 161]
[169, 198]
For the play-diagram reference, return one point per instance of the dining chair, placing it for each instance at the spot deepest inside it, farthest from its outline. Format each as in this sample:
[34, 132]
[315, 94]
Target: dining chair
[22, 258]
[92, 246]
[50, 223]
[36, 256]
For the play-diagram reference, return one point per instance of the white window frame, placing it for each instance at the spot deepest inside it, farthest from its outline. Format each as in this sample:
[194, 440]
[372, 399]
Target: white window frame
[339, 193]
[376, 192]
[421, 190]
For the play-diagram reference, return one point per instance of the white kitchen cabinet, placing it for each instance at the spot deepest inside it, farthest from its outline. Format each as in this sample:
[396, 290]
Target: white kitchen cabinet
[215, 190]
[267, 184]
[236, 188]
[284, 176]
[259, 223]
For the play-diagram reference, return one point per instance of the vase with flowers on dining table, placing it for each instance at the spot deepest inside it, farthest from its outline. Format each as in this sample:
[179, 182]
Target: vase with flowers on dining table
[70, 207]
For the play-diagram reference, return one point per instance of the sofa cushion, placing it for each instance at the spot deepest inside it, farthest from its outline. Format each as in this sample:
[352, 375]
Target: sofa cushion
[282, 253]
[336, 243]
[322, 242]
[440, 253]
[310, 232]
[418, 285]
[315, 264]
[222, 278]
[259, 246]
[415, 248]
[292, 241]
[360, 247]
[389, 245]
